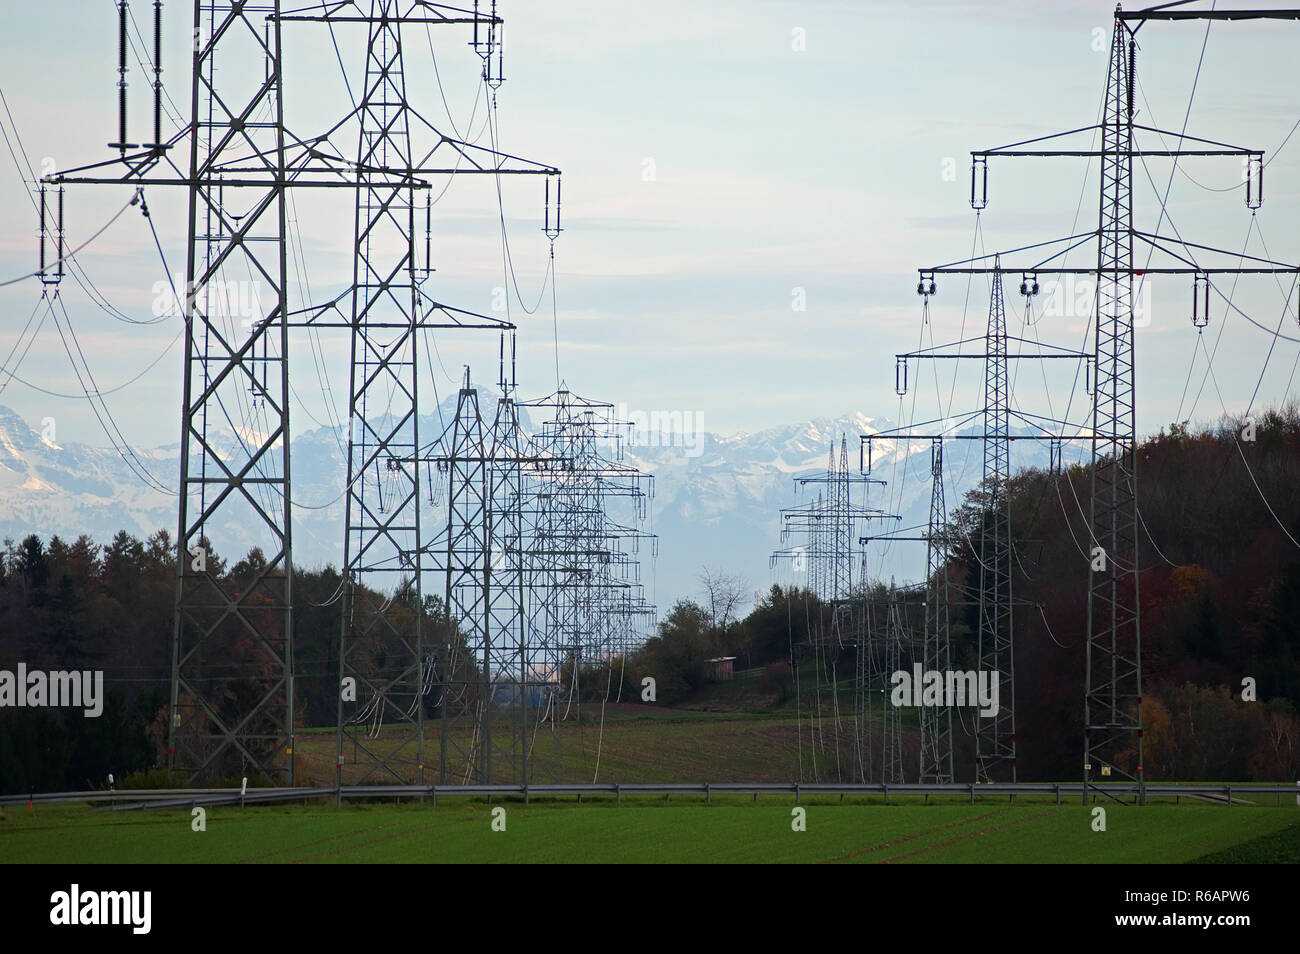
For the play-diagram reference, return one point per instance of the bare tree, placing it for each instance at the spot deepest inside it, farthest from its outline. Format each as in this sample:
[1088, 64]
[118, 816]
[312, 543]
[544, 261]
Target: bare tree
[725, 594]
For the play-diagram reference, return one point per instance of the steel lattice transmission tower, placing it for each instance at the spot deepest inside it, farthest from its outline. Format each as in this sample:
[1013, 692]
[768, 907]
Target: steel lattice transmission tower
[935, 762]
[475, 655]
[232, 683]
[995, 737]
[237, 180]
[1113, 688]
[382, 641]
[388, 662]
[936, 721]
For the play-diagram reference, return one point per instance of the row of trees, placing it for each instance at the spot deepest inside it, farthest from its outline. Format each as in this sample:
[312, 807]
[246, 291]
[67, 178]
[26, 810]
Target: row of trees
[85, 606]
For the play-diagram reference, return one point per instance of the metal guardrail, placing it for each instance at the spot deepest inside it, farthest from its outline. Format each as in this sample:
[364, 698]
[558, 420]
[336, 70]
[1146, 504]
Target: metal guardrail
[187, 797]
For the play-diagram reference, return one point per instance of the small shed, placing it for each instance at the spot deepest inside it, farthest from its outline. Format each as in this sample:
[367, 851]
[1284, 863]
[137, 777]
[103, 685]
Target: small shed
[721, 669]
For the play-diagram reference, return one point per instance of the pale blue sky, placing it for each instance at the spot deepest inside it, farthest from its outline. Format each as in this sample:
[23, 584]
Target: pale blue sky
[775, 169]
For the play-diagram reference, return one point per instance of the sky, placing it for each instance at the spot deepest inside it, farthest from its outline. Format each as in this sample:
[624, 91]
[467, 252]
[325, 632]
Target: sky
[724, 164]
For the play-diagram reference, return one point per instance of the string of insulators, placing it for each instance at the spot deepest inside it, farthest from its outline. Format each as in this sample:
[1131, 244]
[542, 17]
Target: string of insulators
[157, 74]
[58, 238]
[979, 182]
[493, 43]
[1255, 181]
[552, 229]
[121, 143]
[498, 31]
[428, 234]
[501, 361]
[41, 270]
[1200, 301]
[1132, 74]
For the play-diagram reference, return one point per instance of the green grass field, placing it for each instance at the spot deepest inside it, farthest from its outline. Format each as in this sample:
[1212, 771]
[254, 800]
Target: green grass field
[644, 830]
[728, 733]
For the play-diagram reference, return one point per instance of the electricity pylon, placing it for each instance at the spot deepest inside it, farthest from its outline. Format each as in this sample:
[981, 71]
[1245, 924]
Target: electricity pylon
[386, 669]
[937, 763]
[232, 684]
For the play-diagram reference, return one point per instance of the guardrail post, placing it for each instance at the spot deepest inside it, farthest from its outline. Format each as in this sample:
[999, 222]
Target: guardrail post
[796, 793]
[618, 794]
[972, 793]
[708, 794]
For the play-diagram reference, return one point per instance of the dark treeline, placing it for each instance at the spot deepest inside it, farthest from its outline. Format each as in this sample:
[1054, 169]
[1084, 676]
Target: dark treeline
[86, 606]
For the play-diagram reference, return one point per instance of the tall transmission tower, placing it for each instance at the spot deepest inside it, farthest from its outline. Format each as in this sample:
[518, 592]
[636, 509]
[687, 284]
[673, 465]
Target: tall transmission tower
[386, 668]
[936, 761]
[232, 684]
[382, 510]
[995, 737]
[1112, 704]
[1112, 696]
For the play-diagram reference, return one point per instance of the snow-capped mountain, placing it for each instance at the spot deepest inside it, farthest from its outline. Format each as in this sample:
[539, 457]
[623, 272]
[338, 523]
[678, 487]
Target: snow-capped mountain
[717, 498]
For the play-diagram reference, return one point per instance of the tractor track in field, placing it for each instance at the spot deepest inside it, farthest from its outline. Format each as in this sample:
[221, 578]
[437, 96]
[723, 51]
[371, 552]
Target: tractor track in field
[915, 835]
[308, 844]
[974, 834]
[345, 849]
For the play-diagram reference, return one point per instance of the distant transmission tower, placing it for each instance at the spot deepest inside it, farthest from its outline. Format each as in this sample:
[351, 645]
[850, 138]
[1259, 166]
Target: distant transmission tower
[828, 526]
[937, 764]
